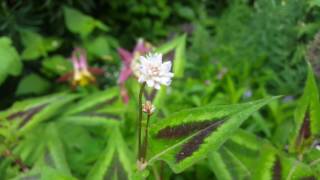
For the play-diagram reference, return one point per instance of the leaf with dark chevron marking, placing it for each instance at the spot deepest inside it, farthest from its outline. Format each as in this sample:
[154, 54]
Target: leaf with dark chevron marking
[185, 129]
[305, 131]
[195, 142]
[27, 114]
[186, 137]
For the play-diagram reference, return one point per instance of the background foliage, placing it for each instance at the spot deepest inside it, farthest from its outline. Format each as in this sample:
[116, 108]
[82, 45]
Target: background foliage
[226, 55]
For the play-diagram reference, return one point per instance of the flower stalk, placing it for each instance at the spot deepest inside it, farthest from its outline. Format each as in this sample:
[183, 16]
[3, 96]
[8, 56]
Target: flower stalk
[153, 73]
[140, 119]
[145, 143]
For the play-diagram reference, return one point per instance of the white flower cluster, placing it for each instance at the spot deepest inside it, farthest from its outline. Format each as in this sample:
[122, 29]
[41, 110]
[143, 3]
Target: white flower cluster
[154, 72]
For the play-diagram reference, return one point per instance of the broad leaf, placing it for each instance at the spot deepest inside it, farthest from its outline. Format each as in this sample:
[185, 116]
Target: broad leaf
[80, 23]
[24, 87]
[9, 58]
[37, 46]
[186, 137]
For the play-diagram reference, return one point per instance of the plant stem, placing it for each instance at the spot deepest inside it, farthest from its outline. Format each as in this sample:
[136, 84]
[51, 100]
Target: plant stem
[145, 144]
[140, 120]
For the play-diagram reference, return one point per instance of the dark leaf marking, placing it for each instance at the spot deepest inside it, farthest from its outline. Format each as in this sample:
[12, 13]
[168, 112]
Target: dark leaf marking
[27, 114]
[194, 143]
[183, 130]
[92, 111]
[115, 170]
[309, 178]
[304, 132]
[32, 177]
[48, 159]
[277, 169]
[102, 104]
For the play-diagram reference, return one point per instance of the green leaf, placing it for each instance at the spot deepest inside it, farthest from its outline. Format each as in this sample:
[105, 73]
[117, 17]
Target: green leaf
[9, 58]
[198, 131]
[80, 23]
[314, 2]
[49, 110]
[44, 173]
[98, 109]
[265, 163]
[25, 87]
[179, 57]
[178, 45]
[37, 46]
[56, 64]
[104, 99]
[115, 162]
[307, 113]
[98, 46]
[36, 110]
[55, 151]
[218, 166]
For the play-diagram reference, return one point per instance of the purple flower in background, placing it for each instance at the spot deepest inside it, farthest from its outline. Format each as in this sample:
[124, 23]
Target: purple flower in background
[82, 74]
[130, 64]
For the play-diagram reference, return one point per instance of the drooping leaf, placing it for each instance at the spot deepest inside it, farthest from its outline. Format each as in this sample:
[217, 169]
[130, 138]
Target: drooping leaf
[181, 153]
[102, 108]
[34, 111]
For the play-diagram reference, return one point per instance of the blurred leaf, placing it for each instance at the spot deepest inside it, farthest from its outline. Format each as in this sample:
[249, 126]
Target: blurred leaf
[178, 45]
[115, 162]
[56, 64]
[37, 46]
[180, 57]
[80, 23]
[32, 84]
[9, 58]
[314, 2]
[99, 46]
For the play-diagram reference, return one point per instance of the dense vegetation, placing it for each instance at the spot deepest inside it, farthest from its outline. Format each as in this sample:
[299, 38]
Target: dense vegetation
[243, 102]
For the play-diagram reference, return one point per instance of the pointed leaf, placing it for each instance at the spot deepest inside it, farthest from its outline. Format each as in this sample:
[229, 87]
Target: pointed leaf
[181, 153]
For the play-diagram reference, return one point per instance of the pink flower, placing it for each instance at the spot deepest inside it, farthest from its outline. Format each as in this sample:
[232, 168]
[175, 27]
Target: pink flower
[130, 64]
[82, 74]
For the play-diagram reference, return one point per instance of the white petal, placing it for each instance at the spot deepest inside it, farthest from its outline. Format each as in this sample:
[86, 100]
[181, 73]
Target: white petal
[141, 79]
[150, 83]
[157, 58]
[166, 81]
[143, 60]
[166, 66]
[157, 86]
